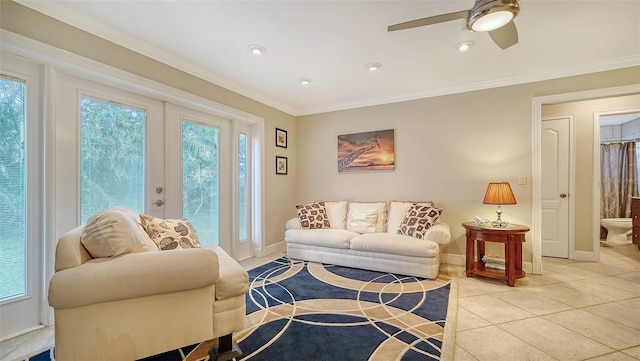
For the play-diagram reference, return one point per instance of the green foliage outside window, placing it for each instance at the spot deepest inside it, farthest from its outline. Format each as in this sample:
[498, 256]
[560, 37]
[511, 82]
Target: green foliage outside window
[12, 188]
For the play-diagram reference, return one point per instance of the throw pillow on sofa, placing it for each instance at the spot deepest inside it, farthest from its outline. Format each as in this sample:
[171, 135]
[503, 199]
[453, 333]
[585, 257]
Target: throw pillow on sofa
[367, 217]
[418, 220]
[114, 232]
[313, 215]
[398, 211]
[170, 234]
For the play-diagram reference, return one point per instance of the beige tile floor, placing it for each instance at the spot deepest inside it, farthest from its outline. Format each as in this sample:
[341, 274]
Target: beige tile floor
[574, 311]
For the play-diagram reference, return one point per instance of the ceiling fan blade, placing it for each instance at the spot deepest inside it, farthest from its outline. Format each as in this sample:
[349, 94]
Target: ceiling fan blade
[505, 36]
[430, 20]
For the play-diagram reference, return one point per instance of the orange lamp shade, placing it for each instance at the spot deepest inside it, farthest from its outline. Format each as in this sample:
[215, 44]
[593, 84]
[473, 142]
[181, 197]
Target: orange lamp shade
[499, 193]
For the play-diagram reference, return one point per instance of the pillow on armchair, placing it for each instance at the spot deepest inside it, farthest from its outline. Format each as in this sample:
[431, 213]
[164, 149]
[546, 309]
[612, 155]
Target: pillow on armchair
[114, 232]
[170, 234]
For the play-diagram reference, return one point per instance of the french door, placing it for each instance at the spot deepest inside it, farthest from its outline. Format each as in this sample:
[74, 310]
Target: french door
[199, 170]
[115, 148]
[88, 146]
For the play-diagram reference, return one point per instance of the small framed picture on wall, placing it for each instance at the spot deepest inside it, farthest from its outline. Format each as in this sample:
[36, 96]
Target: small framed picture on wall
[282, 166]
[281, 138]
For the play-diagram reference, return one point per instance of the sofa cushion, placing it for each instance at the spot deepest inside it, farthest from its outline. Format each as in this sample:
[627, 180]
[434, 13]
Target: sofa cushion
[367, 217]
[114, 232]
[418, 220]
[337, 212]
[170, 234]
[326, 237]
[397, 212]
[313, 215]
[394, 244]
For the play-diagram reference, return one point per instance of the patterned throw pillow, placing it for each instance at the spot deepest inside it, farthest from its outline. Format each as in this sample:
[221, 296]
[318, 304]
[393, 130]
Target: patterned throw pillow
[419, 219]
[313, 215]
[170, 234]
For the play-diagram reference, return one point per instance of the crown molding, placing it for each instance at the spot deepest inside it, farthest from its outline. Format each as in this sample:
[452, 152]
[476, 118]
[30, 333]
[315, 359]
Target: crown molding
[80, 21]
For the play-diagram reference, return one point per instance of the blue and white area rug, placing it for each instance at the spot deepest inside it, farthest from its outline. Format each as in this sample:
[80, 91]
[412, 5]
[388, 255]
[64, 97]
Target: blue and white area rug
[309, 311]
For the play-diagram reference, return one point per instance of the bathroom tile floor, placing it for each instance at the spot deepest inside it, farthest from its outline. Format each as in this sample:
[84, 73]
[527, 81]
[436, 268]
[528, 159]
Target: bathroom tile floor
[574, 311]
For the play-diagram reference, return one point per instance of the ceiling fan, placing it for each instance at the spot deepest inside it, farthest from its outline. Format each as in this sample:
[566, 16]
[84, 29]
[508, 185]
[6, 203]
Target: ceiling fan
[493, 16]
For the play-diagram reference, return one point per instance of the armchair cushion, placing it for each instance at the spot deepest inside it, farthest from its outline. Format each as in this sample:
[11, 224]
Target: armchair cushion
[114, 232]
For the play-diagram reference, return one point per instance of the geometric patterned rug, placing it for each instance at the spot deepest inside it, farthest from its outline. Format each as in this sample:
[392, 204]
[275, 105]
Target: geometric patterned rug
[299, 310]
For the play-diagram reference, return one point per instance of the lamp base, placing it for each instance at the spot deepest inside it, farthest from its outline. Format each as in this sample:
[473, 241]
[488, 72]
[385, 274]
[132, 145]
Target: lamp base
[499, 223]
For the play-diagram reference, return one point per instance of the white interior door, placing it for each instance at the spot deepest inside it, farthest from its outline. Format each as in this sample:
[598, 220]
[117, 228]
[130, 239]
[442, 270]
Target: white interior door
[555, 186]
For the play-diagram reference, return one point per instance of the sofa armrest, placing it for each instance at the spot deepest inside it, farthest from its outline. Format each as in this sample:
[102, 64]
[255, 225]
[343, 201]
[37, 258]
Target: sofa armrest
[133, 275]
[439, 233]
[293, 223]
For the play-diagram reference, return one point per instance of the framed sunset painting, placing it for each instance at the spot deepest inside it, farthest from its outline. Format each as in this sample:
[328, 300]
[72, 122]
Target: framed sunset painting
[366, 151]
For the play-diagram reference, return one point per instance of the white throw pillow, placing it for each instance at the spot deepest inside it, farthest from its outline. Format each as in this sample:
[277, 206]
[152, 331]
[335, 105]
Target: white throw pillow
[366, 217]
[114, 232]
[337, 213]
[397, 212]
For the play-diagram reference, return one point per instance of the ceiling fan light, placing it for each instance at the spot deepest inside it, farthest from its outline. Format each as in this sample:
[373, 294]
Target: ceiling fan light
[492, 21]
[488, 15]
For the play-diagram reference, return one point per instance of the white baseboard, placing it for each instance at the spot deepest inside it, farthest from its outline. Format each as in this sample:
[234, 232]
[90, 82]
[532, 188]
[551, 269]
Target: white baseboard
[584, 256]
[455, 259]
[273, 248]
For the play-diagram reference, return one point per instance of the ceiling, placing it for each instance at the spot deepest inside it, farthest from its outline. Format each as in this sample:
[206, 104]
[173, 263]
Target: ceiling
[330, 42]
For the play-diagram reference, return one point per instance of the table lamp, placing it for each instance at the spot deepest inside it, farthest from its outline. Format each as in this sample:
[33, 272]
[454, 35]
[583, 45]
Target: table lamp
[499, 193]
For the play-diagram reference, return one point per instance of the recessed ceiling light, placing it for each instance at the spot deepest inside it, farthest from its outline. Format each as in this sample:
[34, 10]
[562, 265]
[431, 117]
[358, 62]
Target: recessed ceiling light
[257, 49]
[464, 45]
[373, 66]
[304, 81]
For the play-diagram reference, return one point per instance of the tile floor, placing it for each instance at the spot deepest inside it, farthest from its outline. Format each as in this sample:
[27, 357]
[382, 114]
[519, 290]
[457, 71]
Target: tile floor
[575, 311]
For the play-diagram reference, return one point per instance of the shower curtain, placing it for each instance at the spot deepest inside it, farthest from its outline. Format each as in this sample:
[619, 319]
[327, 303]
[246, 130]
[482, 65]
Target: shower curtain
[618, 180]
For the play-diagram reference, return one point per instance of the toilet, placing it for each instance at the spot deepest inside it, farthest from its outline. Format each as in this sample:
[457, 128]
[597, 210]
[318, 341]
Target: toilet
[617, 229]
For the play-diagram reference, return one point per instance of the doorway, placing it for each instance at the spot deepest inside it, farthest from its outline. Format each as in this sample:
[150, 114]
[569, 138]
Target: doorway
[586, 213]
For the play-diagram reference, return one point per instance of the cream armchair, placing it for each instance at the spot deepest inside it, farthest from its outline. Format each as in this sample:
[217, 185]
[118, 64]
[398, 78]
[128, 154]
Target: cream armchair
[135, 305]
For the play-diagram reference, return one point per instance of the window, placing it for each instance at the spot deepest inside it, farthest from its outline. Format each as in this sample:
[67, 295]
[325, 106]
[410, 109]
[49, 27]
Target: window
[243, 188]
[200, 180]
[13, 253]
[112, 157]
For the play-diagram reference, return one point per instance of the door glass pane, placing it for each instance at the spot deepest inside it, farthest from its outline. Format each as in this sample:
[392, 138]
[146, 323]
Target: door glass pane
[112, 157]
[243, 187]
[200, 180]
[13, 272]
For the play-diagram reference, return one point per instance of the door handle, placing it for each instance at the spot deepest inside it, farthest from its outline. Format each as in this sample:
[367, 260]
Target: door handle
[563, 195]
[158, 203]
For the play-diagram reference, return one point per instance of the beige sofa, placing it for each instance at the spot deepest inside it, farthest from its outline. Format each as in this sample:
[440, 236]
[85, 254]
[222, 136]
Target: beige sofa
[367, 235]
[144, 301]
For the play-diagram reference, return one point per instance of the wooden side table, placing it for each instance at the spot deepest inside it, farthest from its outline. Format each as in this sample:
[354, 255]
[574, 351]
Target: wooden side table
[512, 236]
